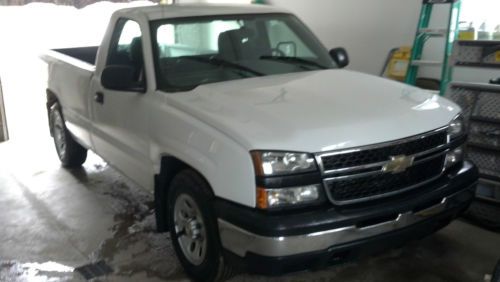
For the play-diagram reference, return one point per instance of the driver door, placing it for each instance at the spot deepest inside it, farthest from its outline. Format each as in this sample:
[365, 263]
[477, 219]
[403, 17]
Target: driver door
[120, 118]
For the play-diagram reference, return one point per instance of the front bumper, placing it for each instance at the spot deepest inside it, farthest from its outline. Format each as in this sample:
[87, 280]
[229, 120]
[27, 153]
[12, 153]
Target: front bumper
[274, 244]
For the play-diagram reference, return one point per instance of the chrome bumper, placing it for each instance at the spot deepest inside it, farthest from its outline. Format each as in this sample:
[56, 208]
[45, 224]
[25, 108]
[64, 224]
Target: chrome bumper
[240, 241]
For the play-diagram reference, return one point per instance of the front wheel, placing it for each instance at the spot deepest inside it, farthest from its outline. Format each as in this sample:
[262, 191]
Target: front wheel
[193, 228]
[71, 154]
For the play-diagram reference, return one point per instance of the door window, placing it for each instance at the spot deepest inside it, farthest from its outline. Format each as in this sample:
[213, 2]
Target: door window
[126, 49]
[192, 39]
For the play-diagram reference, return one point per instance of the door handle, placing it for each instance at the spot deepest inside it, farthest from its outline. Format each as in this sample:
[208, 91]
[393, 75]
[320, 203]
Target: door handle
[99, 97]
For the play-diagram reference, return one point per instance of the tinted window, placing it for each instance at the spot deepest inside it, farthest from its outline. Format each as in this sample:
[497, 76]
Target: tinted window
[126, 48]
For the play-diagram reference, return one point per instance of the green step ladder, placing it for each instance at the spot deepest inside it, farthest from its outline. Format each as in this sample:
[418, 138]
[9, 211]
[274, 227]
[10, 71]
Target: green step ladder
[424, 33]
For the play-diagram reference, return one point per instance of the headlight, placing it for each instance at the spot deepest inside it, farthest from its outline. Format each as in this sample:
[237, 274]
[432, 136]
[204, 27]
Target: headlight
[275, 198]
[456, 127]
[282, 163]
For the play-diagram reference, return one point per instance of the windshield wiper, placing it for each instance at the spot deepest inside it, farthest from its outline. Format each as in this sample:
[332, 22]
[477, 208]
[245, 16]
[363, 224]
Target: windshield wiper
[294, 60]
[224, 63]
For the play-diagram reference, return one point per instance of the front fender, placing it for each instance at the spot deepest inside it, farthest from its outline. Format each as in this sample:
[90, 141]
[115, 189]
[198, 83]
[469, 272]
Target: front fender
[225, 164]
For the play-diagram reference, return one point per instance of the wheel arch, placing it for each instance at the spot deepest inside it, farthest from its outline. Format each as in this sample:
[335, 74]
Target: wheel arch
[51, 100]
[170, 166]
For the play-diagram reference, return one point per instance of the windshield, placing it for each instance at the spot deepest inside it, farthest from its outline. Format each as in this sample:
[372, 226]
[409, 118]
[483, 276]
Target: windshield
[200, 50]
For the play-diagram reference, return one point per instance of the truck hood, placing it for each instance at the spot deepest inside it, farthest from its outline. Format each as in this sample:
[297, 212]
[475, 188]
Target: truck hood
[315, 111]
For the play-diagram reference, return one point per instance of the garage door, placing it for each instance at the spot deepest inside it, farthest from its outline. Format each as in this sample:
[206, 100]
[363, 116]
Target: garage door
[3, 121]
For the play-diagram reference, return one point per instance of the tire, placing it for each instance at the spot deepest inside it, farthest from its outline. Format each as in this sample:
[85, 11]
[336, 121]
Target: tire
[71, 154]
[194, 230]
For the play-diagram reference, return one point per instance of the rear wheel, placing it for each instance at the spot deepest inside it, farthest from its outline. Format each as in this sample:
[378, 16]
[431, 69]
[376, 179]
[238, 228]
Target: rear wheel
[71, 154]
[193, 228]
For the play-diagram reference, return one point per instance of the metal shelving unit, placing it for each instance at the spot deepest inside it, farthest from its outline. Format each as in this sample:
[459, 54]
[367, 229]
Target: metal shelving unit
[481, 107]
[480, 104]
[481, 54]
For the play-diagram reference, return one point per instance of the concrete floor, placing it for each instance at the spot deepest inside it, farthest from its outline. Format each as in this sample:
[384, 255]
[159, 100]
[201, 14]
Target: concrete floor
[54, 220]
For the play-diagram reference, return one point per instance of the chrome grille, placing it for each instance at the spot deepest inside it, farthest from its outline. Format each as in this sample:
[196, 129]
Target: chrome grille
[382, 154]
[357, 175]
[355, 189]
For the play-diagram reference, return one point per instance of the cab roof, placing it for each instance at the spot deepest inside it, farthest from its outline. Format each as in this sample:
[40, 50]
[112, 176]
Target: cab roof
[159, 11]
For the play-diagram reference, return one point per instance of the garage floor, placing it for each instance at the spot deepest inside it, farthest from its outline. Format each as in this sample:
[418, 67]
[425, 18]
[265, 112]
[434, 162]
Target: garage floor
[54, 220]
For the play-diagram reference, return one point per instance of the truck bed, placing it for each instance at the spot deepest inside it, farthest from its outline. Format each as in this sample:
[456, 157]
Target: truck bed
[86, 54]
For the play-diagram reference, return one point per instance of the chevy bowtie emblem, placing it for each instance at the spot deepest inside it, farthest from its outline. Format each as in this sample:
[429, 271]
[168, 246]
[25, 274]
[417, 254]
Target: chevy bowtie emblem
[398, 164]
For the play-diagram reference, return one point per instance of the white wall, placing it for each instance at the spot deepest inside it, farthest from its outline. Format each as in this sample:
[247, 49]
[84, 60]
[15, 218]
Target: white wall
[369, 29]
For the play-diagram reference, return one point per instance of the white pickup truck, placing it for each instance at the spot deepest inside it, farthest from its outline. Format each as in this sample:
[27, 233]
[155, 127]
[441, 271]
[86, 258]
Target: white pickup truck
[261, 151]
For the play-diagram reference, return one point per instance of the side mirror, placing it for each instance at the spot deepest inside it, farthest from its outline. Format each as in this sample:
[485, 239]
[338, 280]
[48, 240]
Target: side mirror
[120, 77]
[340, 56]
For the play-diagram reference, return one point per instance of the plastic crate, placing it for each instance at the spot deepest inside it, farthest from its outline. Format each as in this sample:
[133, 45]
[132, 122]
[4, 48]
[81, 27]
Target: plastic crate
[487, 106]
[485, 214]
[477, 54]
[488, 163]
[485, 134]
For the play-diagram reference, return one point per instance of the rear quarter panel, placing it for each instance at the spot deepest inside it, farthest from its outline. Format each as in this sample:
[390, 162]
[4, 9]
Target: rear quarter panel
[69, 80]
